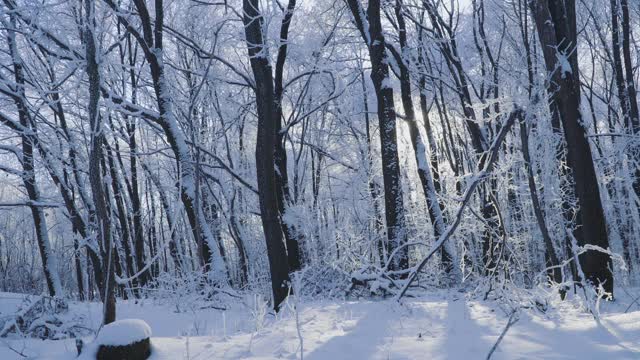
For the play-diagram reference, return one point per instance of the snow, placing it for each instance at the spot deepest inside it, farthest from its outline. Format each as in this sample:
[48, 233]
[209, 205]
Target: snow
[444, 325]
[124, 332]
[386, 83]
[564, 64]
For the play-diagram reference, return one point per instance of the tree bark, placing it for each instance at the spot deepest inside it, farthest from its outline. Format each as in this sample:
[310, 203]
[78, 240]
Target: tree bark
[265, 145]
[292, 237]
[371, 30]
[434, 206]
[103, 221]
[49, 263]
[556, 26]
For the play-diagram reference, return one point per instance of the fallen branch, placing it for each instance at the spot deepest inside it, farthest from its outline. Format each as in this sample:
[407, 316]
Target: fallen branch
[512, 320]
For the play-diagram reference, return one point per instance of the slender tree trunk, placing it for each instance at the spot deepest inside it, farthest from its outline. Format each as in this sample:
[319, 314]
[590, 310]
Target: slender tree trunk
[434, 206]
[551, 259]
[103, 221]
[374, 188]
[49, 262]
[138, 232]
[122, 215]
[617, 64]
[292, 237]
[628, 67]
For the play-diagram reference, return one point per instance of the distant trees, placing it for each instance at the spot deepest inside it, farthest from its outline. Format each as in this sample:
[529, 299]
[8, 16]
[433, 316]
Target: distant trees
[148, 151]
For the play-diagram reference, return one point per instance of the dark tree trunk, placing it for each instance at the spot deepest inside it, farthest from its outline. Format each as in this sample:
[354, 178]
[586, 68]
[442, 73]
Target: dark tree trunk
[556, 25]
[118, 194]
[634, 117]
[138, 233]
[374, 188]
[628, 67]
[265, 145]
[292, 237]
[617, 63]
[103, 222]
[394, 202]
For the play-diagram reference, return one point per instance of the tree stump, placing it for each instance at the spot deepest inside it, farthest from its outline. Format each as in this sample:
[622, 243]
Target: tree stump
[124, 340]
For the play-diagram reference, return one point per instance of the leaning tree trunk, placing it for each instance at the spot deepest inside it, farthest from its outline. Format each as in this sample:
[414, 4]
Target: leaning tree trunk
[556, 25]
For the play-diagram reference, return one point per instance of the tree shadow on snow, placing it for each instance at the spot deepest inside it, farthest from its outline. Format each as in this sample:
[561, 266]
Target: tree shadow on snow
[569, 343]
[464, 339]
[362, 341]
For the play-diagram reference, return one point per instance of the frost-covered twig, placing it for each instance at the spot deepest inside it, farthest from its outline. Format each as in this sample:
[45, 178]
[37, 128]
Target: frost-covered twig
[14, 350]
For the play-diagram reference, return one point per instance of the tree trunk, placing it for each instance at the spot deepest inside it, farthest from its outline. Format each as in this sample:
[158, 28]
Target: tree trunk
[265, 145]
[292, 237]
[103, 221]
[556, 25]
[371, 30]
[551, 259]
[434, 206]
[49, 263]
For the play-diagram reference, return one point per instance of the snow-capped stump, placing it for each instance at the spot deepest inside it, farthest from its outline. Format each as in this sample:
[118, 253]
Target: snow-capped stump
[124, 340]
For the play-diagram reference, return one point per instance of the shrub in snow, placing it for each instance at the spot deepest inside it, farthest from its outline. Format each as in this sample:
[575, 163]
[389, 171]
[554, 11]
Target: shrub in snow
[124, 339]
[191, 291]
[43, 317]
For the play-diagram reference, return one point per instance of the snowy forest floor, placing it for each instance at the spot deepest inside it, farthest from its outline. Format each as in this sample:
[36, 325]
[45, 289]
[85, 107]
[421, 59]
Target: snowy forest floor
[442, 326]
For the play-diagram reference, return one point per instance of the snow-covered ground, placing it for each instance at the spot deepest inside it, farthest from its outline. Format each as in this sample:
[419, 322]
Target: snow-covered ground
[446, 326]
